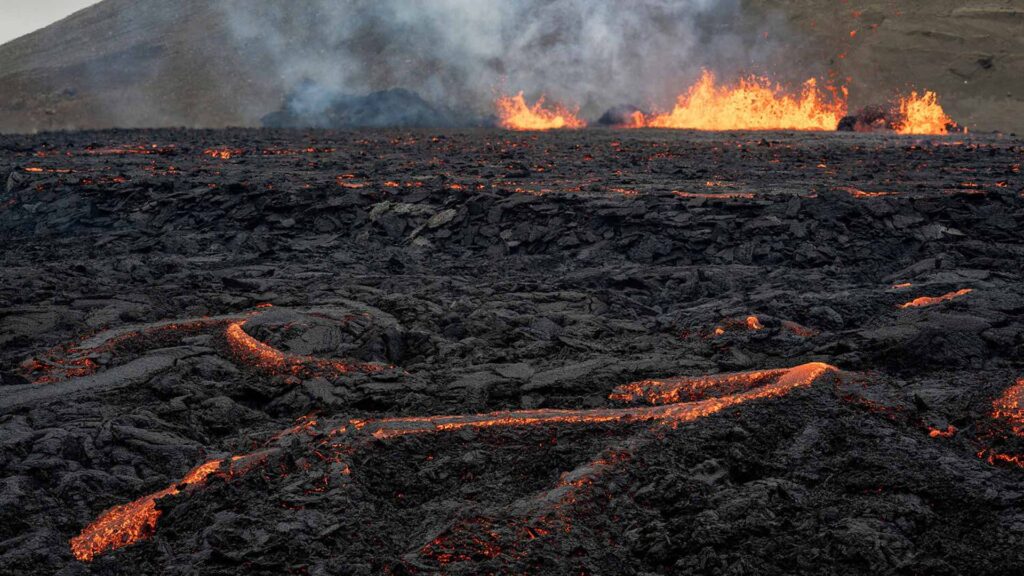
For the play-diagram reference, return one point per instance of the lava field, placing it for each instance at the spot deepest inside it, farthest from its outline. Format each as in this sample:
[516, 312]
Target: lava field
[484, 352]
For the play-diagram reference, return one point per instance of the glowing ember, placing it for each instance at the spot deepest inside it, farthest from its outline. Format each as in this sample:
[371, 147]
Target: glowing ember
[902, 286]
[515, 114]
[753, 323]
[924, 301]
[251, 351]
[688, 389]
[751, 104]
[922, 114]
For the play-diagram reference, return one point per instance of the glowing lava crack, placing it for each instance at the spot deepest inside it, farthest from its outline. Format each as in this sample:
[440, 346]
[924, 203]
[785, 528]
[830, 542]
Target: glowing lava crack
[125, 524]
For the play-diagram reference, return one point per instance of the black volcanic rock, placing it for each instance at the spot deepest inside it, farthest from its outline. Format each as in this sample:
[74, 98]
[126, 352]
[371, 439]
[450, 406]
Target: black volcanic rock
[485, 271]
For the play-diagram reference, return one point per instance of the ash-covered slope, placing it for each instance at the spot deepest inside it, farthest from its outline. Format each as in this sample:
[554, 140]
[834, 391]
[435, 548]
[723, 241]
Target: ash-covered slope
[122, 63]
[186, 63]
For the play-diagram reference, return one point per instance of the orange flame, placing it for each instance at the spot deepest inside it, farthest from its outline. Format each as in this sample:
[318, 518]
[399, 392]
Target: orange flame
[754, 103]
[922, 114]
[515, 114]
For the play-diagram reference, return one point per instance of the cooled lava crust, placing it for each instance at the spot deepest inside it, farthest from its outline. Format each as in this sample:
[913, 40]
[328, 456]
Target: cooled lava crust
[593, 352]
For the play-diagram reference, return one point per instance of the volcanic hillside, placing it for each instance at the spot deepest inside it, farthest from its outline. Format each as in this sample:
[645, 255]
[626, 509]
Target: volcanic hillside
[129, 64]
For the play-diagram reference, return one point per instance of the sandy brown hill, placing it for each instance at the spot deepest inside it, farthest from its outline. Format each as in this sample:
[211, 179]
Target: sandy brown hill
[124, 63]
[971, 52]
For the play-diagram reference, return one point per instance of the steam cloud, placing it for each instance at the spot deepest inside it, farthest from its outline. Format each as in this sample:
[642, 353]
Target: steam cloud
[460, 53]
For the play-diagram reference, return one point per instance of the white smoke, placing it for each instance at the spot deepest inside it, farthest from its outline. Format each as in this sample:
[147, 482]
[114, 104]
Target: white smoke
[461, 53]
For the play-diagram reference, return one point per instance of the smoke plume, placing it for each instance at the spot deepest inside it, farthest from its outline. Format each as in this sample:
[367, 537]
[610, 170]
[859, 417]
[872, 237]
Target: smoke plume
[458, 54]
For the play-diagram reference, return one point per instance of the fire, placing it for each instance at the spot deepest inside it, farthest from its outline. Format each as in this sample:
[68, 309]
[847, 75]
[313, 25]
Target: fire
[933, 300]
[515, 114]
[753, 103]
[922, 114]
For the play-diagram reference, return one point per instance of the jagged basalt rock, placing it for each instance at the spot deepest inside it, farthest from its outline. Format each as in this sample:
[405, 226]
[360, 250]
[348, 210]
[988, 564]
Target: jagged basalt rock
[317, 348]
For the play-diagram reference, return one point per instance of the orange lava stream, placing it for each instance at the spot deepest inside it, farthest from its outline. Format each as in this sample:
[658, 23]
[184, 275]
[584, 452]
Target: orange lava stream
[933, 300]
[922, 114]
[671, 414]
[128, 523]
[753, 103]
[515, 114]
[858, 193]
[688, 389]
[1010, 407]
[253, 352]
[709, 195]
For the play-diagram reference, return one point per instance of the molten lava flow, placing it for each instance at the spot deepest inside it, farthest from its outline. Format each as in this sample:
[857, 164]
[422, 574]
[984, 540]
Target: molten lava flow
[251, 351]
[713, 196]
[39, 170]
[785, 381]
[1010, 407]
[79, 359]
[948, 432]
[922, 114]
[223, 153]
[858, 193]
[932, 300]
[515, 114]
[751, 104]
[753, 323]
[689, 389]
[128, 523]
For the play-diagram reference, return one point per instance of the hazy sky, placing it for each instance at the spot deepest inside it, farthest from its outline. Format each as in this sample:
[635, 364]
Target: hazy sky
[19, 17]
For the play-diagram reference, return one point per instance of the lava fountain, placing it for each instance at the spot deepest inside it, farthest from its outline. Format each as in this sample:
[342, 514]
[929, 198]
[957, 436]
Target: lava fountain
[753, 103]
[515, 114]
